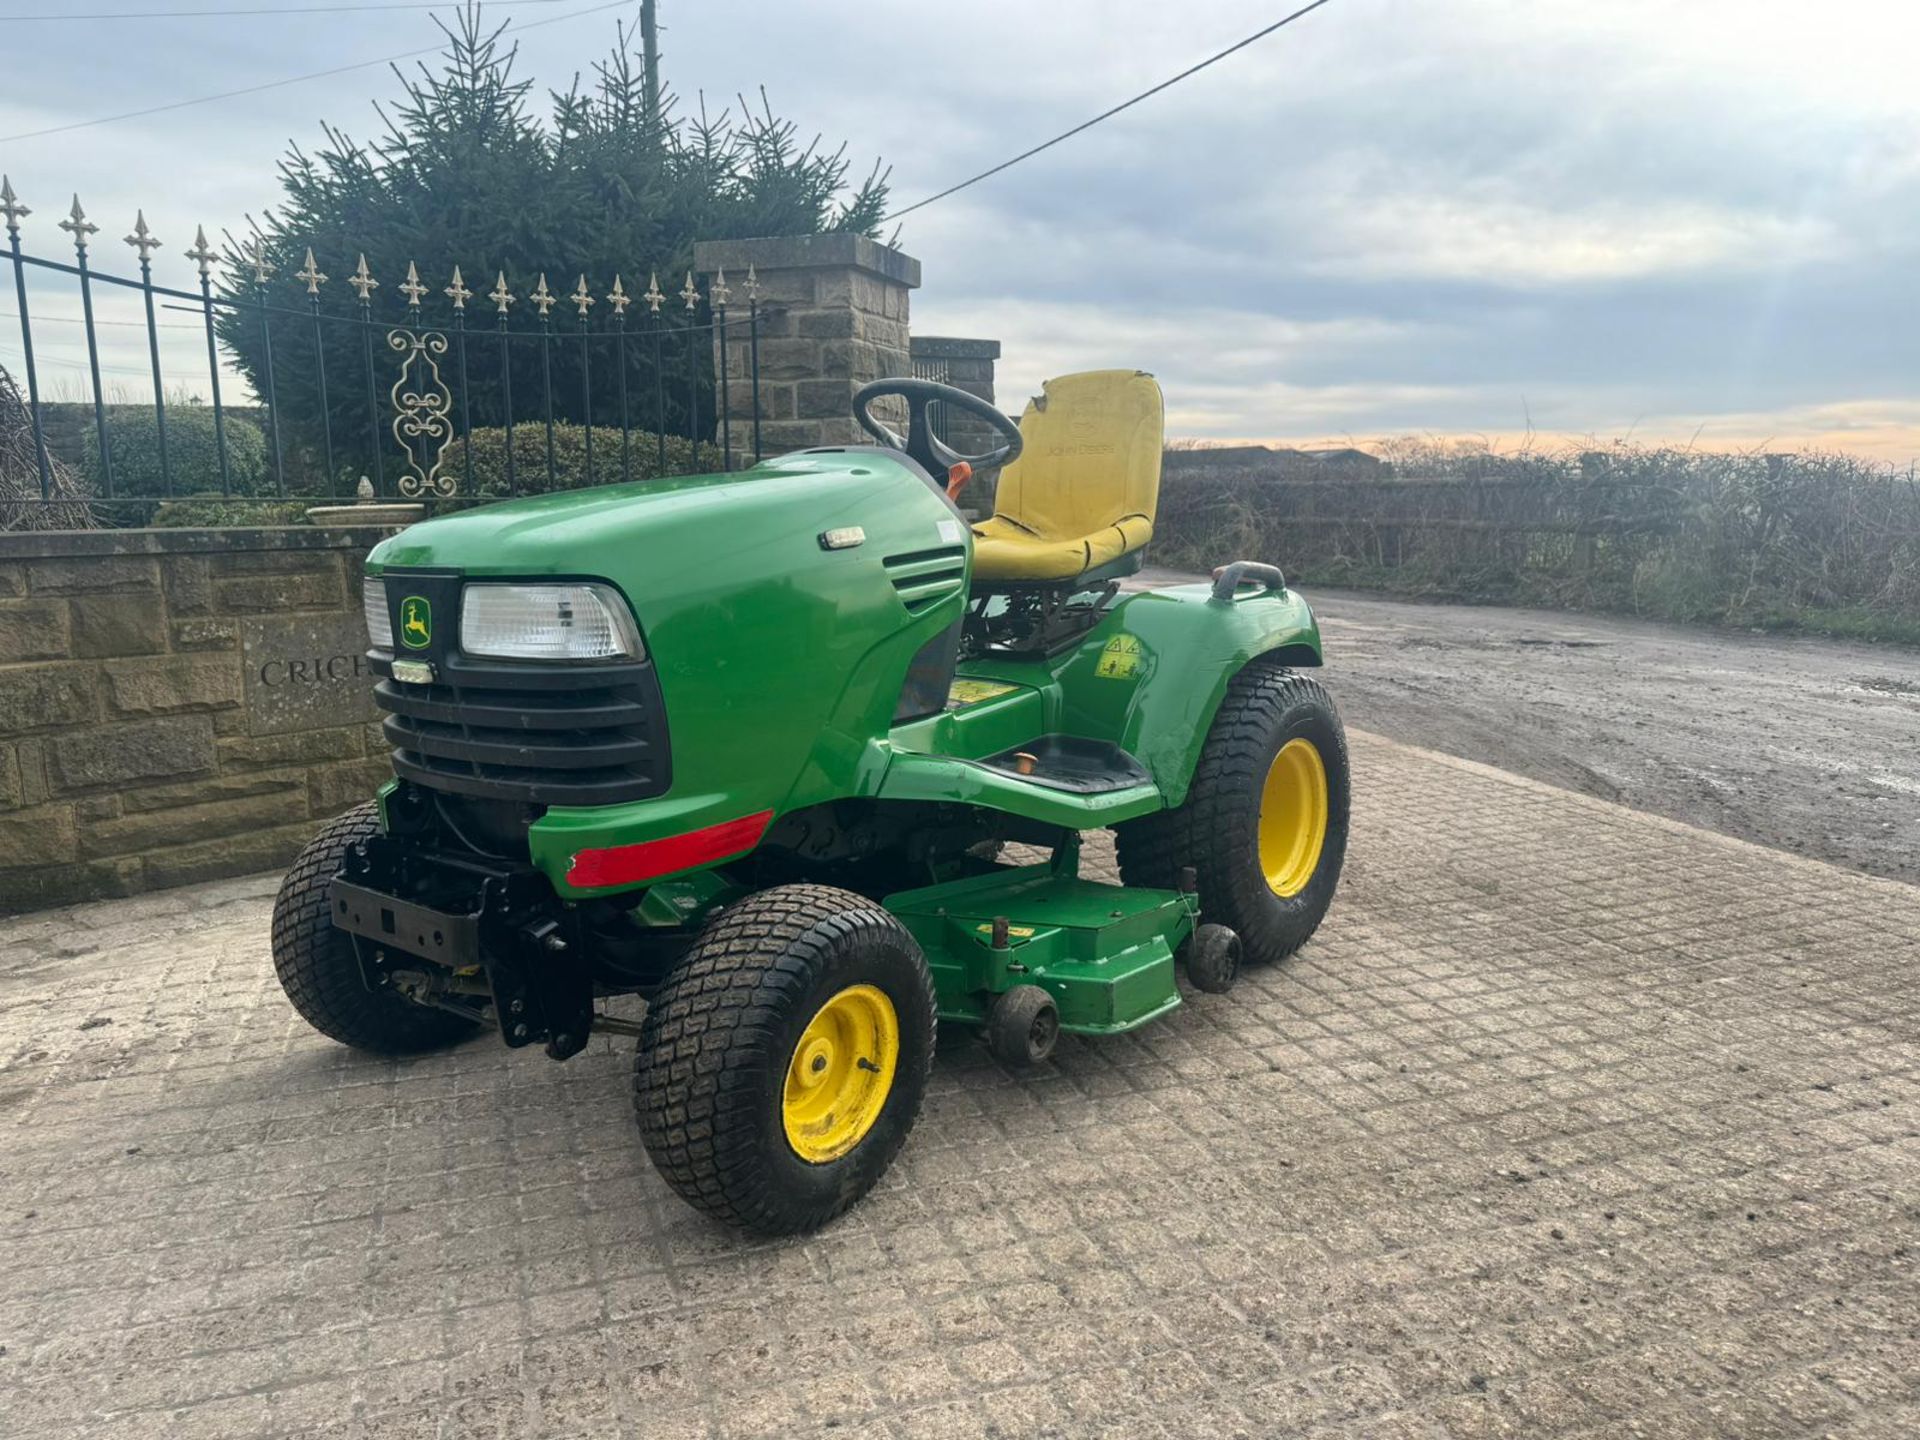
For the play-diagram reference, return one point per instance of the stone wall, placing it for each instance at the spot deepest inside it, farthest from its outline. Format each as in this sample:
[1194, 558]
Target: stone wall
[176, 705]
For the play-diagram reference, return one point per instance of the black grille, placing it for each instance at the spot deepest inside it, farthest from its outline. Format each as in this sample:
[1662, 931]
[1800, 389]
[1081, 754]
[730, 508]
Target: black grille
[537, 734]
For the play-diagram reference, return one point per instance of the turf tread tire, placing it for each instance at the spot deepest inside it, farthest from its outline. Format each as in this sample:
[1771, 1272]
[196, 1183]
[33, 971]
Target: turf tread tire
[718, 1037]
[317, 966]
[1214, 829]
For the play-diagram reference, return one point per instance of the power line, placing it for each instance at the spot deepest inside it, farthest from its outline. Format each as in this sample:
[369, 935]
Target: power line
[289, 80]
[76, 320]
[1109, 114]
[228, 14]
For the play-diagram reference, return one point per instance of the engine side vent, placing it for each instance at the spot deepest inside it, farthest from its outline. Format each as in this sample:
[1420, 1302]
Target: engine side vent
[923, 578]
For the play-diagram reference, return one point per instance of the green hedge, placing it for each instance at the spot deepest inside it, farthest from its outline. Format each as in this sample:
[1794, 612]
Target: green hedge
[212, 512]
[193, 458]
[569, 471]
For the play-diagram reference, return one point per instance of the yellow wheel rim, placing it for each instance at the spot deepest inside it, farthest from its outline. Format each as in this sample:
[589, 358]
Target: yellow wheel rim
[841, 1074]
[1293, 817]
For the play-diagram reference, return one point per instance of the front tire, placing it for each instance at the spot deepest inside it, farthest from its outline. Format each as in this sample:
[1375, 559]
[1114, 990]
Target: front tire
[1264, 824]
[784, 1060]
[317, 965]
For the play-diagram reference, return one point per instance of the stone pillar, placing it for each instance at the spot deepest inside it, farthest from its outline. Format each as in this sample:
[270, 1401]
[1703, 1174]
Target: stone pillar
[965, 365]
[833, 316]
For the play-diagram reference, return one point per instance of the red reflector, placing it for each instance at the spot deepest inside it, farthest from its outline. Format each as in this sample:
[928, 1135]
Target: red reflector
[630, 864]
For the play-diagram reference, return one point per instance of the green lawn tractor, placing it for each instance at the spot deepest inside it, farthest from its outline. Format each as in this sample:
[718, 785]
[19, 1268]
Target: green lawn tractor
[762, 747]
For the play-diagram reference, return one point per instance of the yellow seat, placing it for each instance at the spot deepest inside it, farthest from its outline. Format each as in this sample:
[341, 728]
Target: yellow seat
[1083, 492]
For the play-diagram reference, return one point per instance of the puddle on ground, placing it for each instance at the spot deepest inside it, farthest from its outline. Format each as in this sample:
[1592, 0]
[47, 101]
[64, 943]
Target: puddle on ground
[1885, 685]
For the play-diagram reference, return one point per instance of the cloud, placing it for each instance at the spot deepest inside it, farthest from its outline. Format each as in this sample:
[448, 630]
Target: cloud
[1393, 216]
[1510, 242]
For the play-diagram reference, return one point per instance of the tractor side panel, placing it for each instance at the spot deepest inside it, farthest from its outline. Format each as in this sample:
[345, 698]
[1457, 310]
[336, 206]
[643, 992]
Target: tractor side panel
[1152, 675]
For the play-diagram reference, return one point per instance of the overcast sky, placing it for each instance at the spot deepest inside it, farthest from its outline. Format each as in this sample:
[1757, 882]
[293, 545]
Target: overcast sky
[1640, 217]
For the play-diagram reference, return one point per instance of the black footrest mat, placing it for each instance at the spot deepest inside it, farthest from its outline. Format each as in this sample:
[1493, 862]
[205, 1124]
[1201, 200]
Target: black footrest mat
[1067, 762]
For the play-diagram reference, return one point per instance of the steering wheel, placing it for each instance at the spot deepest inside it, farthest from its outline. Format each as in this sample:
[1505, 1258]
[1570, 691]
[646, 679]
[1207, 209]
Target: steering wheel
[940, 460]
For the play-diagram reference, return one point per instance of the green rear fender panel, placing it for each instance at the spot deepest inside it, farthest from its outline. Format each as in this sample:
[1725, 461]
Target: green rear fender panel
[1152, 675]
[780, 661]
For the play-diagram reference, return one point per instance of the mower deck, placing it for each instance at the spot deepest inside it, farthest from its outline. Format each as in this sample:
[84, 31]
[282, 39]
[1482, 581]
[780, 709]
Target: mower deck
[1105, 953]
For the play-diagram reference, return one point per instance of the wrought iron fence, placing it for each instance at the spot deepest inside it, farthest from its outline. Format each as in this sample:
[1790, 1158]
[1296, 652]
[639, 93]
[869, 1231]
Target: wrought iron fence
[935, 368]
[353, 386]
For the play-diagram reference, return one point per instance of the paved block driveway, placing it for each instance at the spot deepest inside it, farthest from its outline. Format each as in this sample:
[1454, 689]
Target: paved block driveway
[1573, 1122]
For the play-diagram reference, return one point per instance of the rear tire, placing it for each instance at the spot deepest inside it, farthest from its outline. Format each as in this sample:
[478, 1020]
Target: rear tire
[763, 1085]
[1271, 883]
[317, 965]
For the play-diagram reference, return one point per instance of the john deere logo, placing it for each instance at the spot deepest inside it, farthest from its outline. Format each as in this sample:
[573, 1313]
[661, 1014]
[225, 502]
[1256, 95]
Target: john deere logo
[416, 622]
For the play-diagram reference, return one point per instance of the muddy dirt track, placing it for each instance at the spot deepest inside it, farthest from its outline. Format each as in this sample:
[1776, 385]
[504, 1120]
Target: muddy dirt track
[1806, 745]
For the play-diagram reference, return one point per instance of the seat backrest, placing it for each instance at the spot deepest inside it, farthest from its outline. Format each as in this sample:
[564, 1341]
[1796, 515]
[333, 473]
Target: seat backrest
[1091, 456]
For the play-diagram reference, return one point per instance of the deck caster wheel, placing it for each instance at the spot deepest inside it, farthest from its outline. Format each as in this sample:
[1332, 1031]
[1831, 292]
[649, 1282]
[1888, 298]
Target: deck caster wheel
[1213, 959]
[1022, 1027]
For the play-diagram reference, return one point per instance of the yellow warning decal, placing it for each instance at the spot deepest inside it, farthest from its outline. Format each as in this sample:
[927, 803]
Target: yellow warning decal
[1018, 932]
[1120, 660]
[972, 692]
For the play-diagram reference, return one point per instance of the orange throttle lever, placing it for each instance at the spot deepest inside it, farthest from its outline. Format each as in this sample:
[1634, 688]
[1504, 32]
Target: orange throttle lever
[958, 475]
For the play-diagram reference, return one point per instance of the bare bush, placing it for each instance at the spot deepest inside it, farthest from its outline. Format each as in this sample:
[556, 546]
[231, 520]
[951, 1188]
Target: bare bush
[1814, 539]
[20, 474]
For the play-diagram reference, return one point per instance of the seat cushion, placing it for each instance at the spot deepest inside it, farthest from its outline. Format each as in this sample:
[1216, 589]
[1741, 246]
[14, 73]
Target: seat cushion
[1092, 455]
[1084, 489]
[1002, 550]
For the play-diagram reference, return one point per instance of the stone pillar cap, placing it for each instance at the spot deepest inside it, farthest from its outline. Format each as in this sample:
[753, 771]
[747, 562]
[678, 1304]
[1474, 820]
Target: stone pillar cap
[955, 347]
[840, 249]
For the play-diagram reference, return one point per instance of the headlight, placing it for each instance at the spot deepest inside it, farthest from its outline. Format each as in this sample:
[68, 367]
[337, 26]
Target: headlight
[373, 596]
[547, 622]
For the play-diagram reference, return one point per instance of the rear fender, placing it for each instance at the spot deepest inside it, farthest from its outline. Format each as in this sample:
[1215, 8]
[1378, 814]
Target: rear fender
[1151, 677]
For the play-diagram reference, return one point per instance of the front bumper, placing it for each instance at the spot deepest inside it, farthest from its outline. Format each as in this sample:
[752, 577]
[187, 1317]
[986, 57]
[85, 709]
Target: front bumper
[483, 937]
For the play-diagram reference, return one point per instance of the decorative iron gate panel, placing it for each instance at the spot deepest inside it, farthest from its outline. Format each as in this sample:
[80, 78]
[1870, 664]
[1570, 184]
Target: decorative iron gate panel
[354, 384]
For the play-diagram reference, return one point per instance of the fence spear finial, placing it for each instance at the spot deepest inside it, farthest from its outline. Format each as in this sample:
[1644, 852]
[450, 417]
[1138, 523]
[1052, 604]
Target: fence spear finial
[78, 225]
[11, 207]
[718, 291]
[753, 286]
[500, 295]
[618, 298]
[581, 298]
[458, 291]
[690, 292]
[541, 296]
[411, 286]
[262, 271]
[200, 252]
[361, 280]
[654, 296]
[143, 239]
[311, 274]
